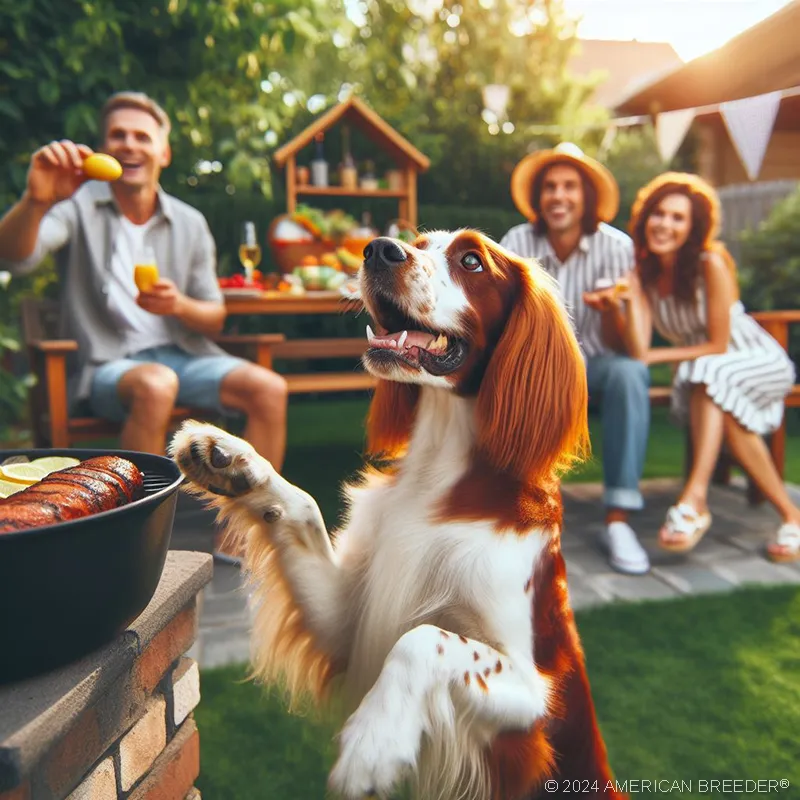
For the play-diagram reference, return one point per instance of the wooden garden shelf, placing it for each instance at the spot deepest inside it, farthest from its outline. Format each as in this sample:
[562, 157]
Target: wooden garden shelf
[409, 160]
[339, 191]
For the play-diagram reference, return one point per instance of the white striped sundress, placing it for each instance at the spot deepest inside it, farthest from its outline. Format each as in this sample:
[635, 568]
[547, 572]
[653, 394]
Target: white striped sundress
[750, 380]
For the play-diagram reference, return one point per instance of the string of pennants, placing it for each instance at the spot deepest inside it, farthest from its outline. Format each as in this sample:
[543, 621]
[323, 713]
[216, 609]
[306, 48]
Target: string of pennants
[749, 123]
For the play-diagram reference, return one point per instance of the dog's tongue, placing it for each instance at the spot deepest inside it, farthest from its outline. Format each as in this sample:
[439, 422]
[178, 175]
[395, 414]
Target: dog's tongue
[401, 340]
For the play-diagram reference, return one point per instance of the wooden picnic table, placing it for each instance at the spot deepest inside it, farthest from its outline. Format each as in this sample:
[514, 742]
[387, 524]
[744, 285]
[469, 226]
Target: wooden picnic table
[282, 303]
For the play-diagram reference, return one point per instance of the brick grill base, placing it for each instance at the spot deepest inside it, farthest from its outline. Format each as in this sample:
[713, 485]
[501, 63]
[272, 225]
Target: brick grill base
[118, 724]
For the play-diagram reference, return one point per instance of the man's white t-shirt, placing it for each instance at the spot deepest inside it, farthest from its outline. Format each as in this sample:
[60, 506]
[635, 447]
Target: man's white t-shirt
[141, 328]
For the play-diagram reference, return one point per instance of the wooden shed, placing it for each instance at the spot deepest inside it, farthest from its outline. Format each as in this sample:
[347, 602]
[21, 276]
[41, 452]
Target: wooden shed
[355, 111]
[764, 58]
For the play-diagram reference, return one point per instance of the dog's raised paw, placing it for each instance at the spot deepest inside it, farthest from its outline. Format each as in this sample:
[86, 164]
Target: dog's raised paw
[216, 461]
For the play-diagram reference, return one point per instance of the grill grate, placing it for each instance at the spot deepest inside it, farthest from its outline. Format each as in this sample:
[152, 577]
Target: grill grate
[155, 482]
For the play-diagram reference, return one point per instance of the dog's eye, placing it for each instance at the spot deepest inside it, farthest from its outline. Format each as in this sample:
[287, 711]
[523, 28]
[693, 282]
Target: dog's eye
[472, 263]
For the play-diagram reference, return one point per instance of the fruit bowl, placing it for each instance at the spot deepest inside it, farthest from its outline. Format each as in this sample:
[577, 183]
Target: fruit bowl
[319, 277]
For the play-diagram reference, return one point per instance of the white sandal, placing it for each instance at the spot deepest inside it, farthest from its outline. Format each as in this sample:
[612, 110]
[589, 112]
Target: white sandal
[685, 527]
[788, 538]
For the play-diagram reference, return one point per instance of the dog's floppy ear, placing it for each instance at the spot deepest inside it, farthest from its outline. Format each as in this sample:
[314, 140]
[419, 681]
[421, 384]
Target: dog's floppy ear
[532, 403]
[391, 417]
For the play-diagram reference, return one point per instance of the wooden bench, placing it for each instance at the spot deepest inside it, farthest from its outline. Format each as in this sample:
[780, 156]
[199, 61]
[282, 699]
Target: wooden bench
[304, 383]
[52, 424]
[54, 427]
[777, 324]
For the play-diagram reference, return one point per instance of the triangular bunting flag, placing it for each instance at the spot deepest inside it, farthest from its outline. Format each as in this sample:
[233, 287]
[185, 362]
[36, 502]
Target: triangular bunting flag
[608, 140]
[750, 122]
[671, 129]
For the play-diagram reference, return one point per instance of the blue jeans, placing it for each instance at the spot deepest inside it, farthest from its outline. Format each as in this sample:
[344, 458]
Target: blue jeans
[620, 385]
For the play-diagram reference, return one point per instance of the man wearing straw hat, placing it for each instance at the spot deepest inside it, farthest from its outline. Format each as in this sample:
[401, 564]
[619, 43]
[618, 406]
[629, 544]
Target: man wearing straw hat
[568, 199]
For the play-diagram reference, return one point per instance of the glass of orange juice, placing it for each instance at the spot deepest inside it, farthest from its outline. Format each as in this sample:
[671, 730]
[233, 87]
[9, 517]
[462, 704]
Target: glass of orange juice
[145, 270]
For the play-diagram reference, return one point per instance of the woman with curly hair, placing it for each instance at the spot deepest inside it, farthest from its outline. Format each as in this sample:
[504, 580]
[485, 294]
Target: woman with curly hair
[731, 376]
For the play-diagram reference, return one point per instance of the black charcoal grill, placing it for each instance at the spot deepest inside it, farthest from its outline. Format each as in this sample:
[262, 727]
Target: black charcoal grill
[68, 588]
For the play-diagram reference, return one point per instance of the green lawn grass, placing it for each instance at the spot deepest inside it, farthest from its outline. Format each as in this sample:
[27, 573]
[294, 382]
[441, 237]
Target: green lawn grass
[690, 689]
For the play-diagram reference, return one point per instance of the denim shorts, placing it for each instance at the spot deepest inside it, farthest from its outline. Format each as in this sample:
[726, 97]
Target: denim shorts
[199, 379]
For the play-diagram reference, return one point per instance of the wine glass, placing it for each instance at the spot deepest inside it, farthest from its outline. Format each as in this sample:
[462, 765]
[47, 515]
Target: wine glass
[249, 250]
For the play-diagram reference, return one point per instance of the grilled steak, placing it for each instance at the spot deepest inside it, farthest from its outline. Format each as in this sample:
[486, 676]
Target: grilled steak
[97, 484]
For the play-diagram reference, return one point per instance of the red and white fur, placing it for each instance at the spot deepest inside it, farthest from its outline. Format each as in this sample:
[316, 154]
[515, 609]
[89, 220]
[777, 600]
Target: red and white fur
[439, 611]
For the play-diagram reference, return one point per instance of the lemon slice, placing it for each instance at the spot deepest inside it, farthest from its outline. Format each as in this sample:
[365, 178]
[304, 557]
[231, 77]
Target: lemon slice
[54, 463]
[7, 488]
[22, 473]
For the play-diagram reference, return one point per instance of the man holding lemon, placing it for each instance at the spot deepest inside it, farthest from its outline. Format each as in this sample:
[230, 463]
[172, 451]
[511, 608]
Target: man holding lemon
[142, 349]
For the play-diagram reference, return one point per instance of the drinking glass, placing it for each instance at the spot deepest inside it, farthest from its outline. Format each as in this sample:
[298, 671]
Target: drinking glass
[249, 249]
[145, 269]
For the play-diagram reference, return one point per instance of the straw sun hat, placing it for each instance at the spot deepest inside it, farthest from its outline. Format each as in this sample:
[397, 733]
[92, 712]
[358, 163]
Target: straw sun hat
[526, 171]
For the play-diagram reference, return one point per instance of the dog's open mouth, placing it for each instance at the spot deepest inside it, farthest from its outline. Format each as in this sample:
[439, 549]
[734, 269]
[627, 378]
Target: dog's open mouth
[399, 337]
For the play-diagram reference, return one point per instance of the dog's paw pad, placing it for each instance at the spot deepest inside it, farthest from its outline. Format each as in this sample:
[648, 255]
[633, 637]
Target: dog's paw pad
[220, 458]
[213, 460]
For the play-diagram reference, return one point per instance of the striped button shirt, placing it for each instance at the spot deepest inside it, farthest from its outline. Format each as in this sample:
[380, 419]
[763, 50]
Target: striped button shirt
[608, 253]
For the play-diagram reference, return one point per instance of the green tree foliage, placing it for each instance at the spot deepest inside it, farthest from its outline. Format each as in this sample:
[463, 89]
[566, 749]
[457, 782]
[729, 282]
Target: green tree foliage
[237, 75]
[634, 160]
[60, 59]
[423, 67]
[770, 261]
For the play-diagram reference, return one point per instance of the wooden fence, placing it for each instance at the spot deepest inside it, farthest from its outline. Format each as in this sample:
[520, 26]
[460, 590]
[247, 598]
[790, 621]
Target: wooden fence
[746, 205]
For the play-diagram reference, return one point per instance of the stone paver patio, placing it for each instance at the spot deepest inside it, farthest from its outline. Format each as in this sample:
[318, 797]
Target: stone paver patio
[730, 555]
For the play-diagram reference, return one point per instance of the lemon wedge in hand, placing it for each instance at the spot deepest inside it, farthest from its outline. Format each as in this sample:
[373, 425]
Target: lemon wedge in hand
[101, 167]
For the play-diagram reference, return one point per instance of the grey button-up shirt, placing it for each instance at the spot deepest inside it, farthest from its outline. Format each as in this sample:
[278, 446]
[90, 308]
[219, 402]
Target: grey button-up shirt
[81, 232]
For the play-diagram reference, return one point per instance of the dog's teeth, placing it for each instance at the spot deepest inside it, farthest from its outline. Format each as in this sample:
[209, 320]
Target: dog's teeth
[438, 344]
[402, 339]
[370, 334]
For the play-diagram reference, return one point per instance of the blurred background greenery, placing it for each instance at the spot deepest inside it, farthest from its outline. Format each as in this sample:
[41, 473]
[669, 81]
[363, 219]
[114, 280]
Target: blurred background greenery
[242, 77]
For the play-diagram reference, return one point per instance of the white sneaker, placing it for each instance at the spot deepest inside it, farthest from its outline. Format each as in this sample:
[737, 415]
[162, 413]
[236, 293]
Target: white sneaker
[625, 554]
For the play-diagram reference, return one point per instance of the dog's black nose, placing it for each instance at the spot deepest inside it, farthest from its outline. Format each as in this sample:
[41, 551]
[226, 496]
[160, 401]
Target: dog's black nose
[383, 253]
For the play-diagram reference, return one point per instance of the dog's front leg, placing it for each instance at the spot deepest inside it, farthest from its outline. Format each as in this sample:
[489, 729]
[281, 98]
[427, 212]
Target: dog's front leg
[430, 679]
[273, 519]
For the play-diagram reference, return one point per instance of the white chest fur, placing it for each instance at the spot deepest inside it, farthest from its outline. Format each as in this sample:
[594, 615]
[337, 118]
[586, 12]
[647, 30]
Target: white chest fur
[461, 576]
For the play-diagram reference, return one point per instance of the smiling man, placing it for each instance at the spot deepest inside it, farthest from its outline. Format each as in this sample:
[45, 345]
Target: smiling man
[140, 353]
[567, 199]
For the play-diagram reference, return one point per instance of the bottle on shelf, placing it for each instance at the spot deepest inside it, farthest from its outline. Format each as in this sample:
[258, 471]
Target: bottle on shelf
[319, 166]
[369, 180]
[348, 174]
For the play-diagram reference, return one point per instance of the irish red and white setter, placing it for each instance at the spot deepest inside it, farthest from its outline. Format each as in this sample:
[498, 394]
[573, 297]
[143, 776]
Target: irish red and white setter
[439, 611]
